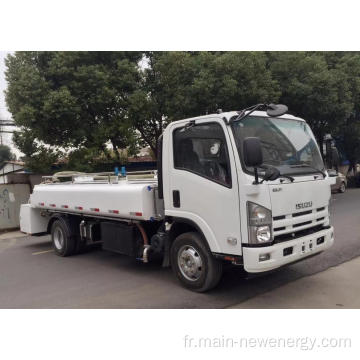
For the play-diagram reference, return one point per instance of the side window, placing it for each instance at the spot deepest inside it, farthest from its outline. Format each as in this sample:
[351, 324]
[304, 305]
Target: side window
[202, 149]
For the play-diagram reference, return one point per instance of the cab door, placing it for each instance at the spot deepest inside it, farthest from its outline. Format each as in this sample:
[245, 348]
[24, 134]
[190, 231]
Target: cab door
[203, 184]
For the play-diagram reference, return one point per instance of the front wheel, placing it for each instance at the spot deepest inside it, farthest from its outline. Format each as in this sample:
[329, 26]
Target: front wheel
[342, 187]
[193, 264]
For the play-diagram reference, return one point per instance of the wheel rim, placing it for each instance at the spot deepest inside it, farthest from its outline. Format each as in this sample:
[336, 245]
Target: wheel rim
[342, 189]
[190, 263]
[58, 238]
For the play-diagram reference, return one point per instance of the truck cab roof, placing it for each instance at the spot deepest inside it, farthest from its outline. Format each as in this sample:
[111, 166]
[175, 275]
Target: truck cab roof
[229, 114]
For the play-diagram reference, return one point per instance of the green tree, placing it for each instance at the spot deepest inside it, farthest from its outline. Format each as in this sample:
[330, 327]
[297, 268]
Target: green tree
[75, 104]
[71, 100]
[233, 81]
[38, 157]
[163, 94]
[348, 130]
[312, 89]
[177, 85]
[6, 154]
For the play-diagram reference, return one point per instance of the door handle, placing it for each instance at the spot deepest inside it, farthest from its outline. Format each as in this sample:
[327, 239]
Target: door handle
[176, 198]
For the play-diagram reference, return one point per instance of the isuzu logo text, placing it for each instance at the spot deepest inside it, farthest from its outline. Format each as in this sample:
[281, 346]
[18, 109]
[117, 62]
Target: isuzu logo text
[303, 205]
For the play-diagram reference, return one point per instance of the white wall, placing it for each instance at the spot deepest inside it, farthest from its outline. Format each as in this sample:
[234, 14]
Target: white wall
[11, 197]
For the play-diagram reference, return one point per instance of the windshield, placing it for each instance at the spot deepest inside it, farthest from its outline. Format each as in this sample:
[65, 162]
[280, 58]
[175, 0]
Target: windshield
[288, 145]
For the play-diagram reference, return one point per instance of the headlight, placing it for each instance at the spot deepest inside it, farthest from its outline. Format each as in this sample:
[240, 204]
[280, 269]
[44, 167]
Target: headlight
[260, 220]
[263, 234]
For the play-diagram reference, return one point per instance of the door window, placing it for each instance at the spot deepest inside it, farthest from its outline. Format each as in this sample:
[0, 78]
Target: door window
[202, 149]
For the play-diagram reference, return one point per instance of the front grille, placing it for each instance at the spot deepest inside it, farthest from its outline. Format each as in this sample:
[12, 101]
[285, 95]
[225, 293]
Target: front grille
[302, 224]
[279, 217]
[280, 228]
[302, 213]
[297, 234]
[293, 225]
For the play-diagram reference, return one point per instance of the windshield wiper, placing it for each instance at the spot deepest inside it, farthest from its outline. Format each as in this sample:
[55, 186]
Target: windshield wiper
[310, 167]
[287, 177]
[273, 173]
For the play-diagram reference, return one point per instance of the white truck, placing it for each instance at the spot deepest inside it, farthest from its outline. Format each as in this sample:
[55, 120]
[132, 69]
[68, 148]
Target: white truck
[243, 187]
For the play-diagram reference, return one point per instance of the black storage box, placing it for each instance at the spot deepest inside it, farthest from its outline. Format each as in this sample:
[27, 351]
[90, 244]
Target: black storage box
[120, 238]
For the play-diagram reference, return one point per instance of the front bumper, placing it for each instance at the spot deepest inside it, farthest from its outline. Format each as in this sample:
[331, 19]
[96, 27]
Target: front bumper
[286, 252]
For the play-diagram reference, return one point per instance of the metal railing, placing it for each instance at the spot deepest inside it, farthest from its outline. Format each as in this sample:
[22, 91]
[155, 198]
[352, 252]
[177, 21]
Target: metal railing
[99, 178]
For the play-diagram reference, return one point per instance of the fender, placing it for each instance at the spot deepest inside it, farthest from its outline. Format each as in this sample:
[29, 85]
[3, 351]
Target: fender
[171, 236]
[53, 217]
[68, 221]
[200, 226]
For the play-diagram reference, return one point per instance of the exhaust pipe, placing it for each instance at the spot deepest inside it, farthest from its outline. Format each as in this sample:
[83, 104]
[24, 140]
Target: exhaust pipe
[145, 257]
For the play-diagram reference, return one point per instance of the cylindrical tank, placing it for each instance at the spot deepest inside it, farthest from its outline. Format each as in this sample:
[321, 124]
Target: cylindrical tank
[123, 199]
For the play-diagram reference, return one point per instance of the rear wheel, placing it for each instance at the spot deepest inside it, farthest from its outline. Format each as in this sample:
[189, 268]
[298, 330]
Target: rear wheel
[64, 243]
[193, 263]
[342, 187]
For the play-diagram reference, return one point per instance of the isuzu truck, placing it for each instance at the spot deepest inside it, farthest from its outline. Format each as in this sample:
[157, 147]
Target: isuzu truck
[243, 187]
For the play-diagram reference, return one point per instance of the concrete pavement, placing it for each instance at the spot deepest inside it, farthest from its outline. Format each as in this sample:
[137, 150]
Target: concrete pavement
[11, 234]
[334, 288]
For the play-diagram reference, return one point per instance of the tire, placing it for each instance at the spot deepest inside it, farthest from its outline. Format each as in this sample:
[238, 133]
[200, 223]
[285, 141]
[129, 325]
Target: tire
[64, 242]
[342, 188]
[81, 247]
[193, 264]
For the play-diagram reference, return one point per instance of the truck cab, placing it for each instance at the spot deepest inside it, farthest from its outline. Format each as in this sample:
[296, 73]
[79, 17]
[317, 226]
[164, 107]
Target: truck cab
[240, 212]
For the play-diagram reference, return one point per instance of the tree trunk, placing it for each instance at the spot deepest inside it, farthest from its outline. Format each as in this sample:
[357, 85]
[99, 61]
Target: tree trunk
[115, 149]
[105, 151]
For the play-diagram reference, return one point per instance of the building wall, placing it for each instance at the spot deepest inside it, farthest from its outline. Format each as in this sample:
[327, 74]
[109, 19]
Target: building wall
[14, 178]
[11, 198]
[35, 179]
[21, 178]
[9, 168]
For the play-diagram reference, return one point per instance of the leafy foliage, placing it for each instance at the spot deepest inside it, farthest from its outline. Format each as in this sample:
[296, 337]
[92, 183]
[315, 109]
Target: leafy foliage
[5, 154]
[71, 100]
[312, 89]
[177, 85]
[348, 130]
[89, 106]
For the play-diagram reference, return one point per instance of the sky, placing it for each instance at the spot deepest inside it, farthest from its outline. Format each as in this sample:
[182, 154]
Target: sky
[4, 113]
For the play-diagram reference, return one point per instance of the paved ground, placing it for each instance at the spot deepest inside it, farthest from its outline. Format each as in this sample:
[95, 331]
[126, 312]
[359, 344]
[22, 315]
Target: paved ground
[10, 235]
[336, 287]
[31, 276]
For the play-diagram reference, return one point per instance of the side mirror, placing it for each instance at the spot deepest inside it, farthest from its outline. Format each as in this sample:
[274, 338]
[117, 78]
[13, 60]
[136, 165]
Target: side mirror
[332, 173]
[252, 152]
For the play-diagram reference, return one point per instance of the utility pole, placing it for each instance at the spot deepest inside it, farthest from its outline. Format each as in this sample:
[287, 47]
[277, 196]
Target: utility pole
[5, 123]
